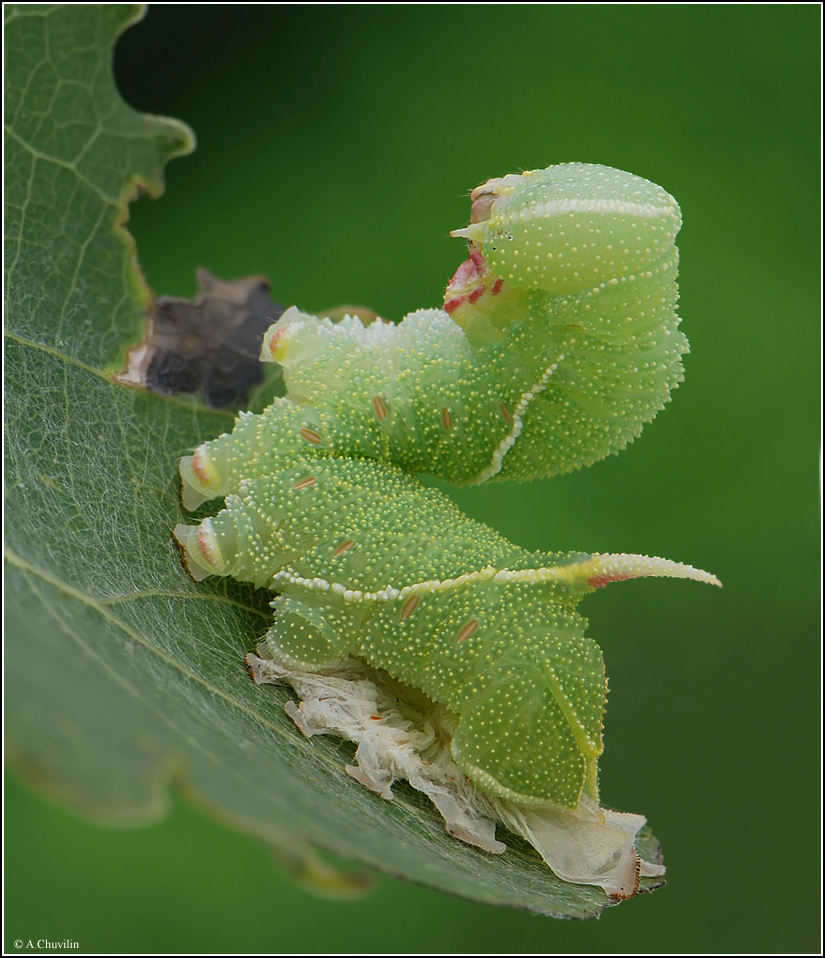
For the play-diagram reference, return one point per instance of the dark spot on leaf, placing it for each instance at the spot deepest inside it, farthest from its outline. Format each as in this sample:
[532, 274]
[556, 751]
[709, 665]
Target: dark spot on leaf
[211, 344]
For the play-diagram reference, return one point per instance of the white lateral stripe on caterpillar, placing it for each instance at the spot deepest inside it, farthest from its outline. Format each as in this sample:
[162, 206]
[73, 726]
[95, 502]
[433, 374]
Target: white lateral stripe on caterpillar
[580, 205]
[597, 571]
[509, 440]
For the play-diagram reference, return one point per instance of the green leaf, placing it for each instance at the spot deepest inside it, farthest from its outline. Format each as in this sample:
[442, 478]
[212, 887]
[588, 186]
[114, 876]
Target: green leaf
[122, 673]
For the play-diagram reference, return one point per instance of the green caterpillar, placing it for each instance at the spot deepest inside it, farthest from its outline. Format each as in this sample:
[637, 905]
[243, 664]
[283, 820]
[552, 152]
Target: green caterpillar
[557, 342]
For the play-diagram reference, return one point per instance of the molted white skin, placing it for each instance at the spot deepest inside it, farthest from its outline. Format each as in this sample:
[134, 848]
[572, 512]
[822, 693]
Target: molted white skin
[558, 341]
[400, 735]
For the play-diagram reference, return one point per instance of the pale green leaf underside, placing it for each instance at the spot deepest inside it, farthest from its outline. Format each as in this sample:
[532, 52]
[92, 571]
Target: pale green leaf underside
[121, 671]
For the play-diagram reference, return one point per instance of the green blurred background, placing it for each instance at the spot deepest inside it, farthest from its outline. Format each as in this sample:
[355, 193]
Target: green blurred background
[336, 149]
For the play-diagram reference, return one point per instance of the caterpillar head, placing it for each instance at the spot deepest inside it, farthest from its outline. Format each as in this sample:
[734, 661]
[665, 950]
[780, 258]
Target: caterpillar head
[562, 230]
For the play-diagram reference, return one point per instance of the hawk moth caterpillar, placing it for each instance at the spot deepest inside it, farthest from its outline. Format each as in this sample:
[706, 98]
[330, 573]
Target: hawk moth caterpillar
[557, 342]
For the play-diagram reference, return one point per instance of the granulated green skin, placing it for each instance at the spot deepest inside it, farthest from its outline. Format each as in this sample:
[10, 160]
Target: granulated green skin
[569, 345]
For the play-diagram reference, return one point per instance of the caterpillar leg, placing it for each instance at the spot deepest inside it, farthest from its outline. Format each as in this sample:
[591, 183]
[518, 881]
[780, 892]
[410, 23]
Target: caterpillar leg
[282, 433]
[305, 636]
[221, 545]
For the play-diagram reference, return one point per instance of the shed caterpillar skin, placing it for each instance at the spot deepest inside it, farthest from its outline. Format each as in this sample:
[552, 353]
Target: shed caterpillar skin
[557, 342]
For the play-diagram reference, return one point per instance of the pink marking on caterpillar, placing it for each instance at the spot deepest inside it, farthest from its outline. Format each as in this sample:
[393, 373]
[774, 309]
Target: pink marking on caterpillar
[467, 631]
[600, 581]
[311, 436]
[201, 465]
[452, 304]
[305, 483]
[278, 344]
[380, 408]
[204, 546]
[409, 607]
